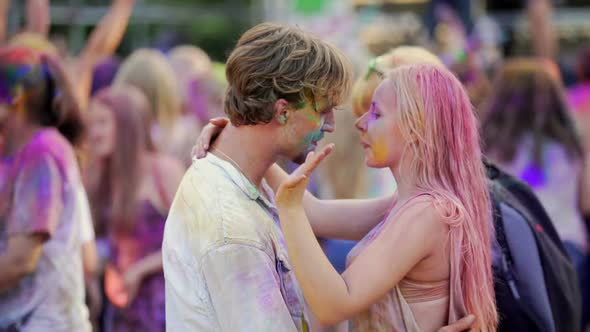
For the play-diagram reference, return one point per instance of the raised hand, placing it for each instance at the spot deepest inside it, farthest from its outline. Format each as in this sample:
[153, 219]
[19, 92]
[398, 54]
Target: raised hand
[290, 193]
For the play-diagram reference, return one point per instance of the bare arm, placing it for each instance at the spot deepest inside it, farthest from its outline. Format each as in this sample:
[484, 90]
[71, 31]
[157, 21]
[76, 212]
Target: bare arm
[103, 42]
[38, 17]
[4, 7]
[20, 259]
[349, 219]
[148, 265]
[542, 29]
[404, 243]
[107, 35]
[89, 259]
[90, 265]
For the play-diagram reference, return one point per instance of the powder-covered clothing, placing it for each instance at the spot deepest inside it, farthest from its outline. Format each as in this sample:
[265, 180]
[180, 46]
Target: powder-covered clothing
[225, 261]
[41, 192]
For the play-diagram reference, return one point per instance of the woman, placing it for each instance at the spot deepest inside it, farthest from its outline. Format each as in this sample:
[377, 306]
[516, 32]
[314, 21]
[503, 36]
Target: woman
[150, 71]
[528, 130]
[343, 175]
[131, 192]
[44, 216]
[438, 233]
[194, 76]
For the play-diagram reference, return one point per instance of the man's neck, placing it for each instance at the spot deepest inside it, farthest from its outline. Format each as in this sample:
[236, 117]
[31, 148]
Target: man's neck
[247, 148]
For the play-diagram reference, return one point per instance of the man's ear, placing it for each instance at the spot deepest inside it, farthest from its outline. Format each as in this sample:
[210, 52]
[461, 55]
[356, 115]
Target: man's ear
[282, 110]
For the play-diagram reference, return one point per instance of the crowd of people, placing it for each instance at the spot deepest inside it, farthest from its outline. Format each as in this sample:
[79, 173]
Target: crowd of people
[145, 193]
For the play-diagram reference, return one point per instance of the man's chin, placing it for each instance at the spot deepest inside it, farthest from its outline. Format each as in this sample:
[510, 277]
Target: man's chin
[300, 158]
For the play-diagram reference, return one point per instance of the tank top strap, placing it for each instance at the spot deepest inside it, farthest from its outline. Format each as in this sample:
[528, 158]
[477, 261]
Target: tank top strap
[407, 204]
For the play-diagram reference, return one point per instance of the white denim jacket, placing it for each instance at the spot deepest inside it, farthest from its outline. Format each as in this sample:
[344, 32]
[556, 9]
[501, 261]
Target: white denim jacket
[225, 262]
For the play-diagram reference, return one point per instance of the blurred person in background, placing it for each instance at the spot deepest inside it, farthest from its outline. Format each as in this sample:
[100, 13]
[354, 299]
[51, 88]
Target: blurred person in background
[151, 72]
[102, 42]
[131, 189]
[579, 94]
[579, 98]
[527, 129]
[194, 73]
[473, 77]
[104, 73]
[44, 214]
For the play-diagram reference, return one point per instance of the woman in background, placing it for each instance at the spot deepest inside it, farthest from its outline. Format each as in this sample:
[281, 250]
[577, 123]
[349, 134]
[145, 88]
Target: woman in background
[528, 130]
[131, 189]
[150, 71]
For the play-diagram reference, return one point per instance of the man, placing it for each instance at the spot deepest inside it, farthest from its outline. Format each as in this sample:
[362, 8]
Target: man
[224, 258]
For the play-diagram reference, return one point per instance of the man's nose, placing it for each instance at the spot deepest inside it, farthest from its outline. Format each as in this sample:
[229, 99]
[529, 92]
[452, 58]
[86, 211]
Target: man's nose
[329, 123]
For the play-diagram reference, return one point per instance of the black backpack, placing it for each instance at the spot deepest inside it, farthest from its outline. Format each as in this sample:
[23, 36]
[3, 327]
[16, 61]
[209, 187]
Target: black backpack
[536, 284]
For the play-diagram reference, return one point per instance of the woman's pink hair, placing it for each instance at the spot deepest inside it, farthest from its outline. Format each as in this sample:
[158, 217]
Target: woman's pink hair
[437, 120]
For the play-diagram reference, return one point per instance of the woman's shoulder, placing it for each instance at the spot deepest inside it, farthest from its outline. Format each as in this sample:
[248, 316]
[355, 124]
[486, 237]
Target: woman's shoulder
[430, 211]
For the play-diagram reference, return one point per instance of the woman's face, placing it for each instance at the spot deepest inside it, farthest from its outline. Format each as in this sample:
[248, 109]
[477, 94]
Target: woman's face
[102, 130]
[381, 136]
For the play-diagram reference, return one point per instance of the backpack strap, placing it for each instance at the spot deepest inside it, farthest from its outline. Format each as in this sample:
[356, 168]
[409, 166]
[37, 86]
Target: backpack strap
[521, 197]
[506, 259]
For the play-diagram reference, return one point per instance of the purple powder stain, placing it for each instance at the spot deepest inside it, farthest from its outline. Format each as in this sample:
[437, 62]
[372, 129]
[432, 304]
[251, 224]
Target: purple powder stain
[534, 176]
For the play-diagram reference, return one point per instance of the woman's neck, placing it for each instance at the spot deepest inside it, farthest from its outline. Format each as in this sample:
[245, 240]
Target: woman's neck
[405, 177]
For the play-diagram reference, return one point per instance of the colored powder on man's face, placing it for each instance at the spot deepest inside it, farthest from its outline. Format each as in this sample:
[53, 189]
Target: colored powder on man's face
[313, 137]
[314, 118]
[300, 105]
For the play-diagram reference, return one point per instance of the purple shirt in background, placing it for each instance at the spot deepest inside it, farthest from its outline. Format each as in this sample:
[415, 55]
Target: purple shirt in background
[556, 185]
[579, 98]
[41, 192]
[147, 311]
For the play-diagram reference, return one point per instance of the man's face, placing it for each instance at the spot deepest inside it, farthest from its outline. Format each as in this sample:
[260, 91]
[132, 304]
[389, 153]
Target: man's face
[305, 127]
